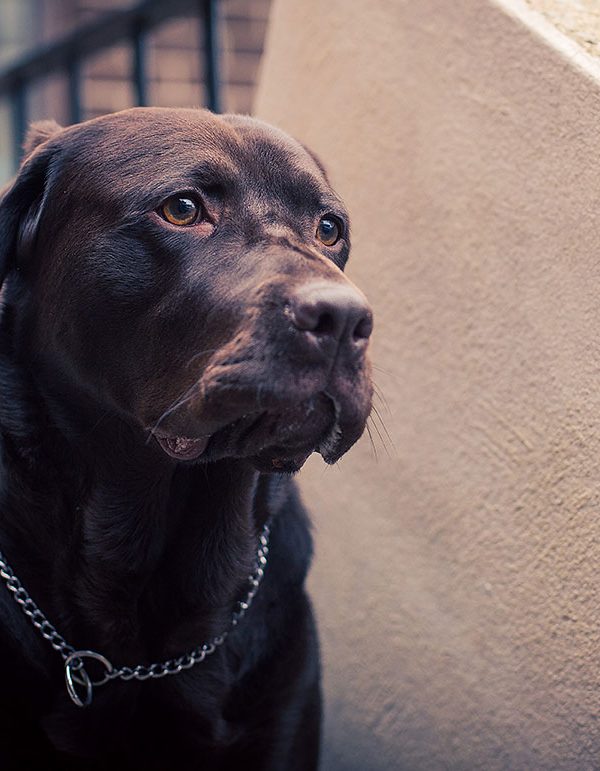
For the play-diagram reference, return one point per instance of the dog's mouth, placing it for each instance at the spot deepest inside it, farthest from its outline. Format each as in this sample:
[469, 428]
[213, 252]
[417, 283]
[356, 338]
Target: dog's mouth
[278, 442]
[185, 448]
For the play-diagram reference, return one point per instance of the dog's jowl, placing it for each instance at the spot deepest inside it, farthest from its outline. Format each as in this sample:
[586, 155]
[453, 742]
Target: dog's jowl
[177, 337]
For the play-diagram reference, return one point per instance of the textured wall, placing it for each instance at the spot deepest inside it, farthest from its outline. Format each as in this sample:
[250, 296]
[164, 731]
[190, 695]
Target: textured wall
[457, 580]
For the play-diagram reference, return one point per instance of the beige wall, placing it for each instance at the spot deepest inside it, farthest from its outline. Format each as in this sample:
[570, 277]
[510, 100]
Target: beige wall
[457, 580]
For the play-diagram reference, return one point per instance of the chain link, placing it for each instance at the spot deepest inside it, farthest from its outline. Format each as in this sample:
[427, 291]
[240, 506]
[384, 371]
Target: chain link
[74, 659]
[31, 610]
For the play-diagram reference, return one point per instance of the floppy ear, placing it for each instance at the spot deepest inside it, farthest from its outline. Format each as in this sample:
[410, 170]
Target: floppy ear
[317, 160]
[38, 133]
[22, 204]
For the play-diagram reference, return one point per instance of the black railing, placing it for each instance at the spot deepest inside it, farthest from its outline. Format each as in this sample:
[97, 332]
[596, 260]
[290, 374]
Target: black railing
[132, 25]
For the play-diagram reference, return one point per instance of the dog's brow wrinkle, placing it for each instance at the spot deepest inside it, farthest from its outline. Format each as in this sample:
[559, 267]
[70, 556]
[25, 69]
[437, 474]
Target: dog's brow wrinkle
[223, 173]
[304, 249]
[277, 230]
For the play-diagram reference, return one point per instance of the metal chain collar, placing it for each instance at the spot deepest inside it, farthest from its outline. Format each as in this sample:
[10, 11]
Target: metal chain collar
[79, 683]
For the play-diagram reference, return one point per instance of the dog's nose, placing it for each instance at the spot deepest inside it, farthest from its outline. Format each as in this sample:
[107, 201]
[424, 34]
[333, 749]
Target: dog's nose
[334, 314]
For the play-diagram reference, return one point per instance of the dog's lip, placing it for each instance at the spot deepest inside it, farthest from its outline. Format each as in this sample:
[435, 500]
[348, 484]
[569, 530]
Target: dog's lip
[281, 460]
[182, 447]
[252, 436]
[273, 459]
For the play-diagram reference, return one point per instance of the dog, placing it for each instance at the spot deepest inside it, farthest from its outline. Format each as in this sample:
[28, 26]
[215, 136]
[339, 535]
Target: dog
[177, 337]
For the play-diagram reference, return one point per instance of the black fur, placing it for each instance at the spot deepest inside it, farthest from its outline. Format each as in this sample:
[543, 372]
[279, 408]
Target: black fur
[110, 315]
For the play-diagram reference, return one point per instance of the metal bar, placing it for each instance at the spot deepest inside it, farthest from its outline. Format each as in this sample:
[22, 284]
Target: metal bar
[210, 13]
[19, 120]
[102, 33]
[74, 74]
[140, 75]
[130, 23]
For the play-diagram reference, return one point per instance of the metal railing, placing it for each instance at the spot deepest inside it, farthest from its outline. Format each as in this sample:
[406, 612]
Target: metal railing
[132, 25]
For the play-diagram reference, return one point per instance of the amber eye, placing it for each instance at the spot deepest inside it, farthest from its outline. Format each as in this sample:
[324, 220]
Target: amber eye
[329, 230]
[181, 210]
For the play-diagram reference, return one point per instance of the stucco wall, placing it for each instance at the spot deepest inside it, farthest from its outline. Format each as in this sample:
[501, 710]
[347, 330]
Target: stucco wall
[457, 579]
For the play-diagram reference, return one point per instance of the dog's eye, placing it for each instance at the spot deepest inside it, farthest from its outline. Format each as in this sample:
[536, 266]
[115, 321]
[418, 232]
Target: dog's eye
[181, 210]
[329, 230]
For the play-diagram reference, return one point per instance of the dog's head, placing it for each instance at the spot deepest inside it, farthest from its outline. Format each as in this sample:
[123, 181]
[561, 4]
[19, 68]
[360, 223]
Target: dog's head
[184, 270]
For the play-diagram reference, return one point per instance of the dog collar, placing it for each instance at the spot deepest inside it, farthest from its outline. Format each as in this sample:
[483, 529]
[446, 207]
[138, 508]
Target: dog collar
[80, 684]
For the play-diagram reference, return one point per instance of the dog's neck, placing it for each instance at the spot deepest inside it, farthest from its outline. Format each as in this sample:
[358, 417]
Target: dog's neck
[108, 546]
[157, 540]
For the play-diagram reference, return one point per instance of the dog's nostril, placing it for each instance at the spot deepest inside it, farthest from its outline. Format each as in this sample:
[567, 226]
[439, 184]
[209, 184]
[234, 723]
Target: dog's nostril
[363, 329]
[312, 315]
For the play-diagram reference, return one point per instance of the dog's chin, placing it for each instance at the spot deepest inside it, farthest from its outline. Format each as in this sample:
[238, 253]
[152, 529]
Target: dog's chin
[274, 442]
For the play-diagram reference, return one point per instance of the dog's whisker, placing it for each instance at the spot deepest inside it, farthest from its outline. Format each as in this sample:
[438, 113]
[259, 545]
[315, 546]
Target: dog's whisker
[182, 399]
[378, 391]
[380, 435]
[199, 354]
[383, 433]
[170, 411]
[372, 442]
[179, 401]
[383, 426]
[384, 371]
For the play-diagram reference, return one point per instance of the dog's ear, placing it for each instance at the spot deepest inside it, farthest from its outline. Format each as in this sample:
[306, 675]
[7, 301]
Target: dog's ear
[21, 207]
[38, 133]
[317, 161]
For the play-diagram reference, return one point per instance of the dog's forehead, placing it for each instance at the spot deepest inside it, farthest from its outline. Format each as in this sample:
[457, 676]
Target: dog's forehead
[153, 147]
[279, 164]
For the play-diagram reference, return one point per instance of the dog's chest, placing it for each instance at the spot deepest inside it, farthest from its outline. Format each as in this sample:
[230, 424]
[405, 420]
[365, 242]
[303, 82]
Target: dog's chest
[154, 723]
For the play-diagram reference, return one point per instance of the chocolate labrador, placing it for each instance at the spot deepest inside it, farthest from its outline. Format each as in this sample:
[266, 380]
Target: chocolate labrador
[177, 337]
